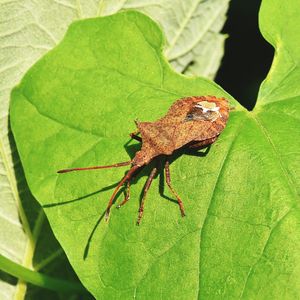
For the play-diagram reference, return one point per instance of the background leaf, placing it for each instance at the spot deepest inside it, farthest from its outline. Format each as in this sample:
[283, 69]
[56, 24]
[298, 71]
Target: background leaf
[240, 238]
[194, 44]
[28, 30]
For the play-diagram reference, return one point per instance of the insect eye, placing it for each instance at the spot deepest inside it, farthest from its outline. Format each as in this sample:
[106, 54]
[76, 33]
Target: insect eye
[189, 117]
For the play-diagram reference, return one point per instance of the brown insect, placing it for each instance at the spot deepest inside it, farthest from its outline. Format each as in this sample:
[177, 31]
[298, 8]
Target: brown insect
[193, 122]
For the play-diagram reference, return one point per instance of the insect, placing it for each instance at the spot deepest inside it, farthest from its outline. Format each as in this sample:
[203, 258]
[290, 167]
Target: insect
[193, 122]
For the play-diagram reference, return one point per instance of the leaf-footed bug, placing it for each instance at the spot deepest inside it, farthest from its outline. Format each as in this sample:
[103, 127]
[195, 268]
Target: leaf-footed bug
[192, 122]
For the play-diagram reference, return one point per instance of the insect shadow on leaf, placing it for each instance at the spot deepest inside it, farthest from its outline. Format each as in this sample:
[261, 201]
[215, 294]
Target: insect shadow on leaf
[160, 166]
[80, 198]
[190, 123]
[88, 243]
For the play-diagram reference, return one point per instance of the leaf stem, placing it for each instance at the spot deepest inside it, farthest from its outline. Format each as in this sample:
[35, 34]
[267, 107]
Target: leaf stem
[49, 259]
[37, 278]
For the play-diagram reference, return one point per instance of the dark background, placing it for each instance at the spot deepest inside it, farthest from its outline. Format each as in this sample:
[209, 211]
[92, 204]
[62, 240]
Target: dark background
[248, 56]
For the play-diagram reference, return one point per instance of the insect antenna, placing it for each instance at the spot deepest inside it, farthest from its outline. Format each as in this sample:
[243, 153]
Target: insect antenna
[121, 164]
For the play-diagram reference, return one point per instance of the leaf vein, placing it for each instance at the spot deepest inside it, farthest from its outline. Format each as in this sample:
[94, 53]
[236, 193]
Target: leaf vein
[276, 154]
[82, 130]
[251, 270]
[203, 32]
[238, 130]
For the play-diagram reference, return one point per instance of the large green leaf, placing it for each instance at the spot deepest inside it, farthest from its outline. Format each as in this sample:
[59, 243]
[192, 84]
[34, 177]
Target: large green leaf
[28, 30]
[240, 238]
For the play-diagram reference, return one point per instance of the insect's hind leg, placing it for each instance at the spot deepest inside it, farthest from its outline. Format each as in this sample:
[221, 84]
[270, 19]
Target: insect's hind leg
[147, 186]
[203, 144]
[168, 181]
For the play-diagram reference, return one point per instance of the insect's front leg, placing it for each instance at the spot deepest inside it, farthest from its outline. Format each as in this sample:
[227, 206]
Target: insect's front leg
[126, 178]
[134, 135]
[127, 195]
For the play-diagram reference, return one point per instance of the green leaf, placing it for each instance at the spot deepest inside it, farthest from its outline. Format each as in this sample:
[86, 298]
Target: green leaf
[192, 28]
[27, 31]
[240, 238]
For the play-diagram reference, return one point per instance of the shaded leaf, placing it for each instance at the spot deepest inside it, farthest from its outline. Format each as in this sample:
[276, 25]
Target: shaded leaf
[27, 31]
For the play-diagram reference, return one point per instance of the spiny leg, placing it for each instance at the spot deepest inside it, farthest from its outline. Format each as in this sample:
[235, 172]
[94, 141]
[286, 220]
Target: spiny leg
[127, 177]
[147, 186]
[168, 181]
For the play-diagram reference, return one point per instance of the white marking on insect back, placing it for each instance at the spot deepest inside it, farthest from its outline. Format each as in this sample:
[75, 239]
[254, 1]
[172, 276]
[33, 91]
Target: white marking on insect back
[209, 106]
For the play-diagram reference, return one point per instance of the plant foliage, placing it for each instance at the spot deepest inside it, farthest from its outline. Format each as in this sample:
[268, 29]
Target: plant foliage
[240, 238]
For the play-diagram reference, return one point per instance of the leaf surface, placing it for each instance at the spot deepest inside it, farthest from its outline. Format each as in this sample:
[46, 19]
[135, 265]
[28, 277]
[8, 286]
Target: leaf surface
[27, 32]
[240, 238]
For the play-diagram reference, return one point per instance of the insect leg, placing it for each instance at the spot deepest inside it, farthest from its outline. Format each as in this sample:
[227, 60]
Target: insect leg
[127, 177]
[204, 143]
[168, 181]
[127, 195]
[147, 186]
[134, 135]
